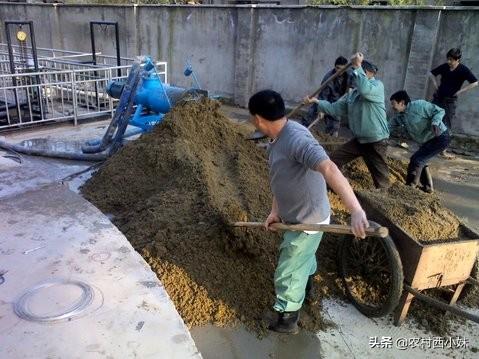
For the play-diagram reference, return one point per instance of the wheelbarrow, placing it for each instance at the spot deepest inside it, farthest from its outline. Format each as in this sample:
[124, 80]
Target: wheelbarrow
[382, 275]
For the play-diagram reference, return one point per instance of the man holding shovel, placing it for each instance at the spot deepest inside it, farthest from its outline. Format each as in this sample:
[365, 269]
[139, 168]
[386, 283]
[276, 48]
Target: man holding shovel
[366, 112]
[299, 172]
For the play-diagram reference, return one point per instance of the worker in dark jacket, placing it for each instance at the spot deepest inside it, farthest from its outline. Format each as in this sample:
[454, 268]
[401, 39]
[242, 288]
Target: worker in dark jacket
[333, 91]
[366, 113]
[453, 75]
[422, 121]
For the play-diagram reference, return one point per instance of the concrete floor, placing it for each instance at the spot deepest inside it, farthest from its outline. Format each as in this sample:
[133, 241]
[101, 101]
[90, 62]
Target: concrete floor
[49, 232]
[350, 339]
[220, 343]
[456, 180]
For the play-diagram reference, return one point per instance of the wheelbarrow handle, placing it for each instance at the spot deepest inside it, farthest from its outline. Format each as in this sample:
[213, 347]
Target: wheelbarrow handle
[329, 228]
[441, 305]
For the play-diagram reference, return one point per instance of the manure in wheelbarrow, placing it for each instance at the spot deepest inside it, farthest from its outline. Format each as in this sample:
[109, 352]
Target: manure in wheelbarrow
[420, 214]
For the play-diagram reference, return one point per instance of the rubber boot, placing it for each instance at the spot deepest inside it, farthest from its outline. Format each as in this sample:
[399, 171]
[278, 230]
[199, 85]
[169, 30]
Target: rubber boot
[287, 323]
[426, 180]
[414, 177]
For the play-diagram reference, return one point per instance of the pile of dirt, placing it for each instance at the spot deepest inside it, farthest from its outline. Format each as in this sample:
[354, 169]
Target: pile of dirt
[421, 215]
[360, 178]
[330, 143]
[173, 192]
[325, 139]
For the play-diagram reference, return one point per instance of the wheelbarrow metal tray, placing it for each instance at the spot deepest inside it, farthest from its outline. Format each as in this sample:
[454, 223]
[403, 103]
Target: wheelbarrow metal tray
[431, 265]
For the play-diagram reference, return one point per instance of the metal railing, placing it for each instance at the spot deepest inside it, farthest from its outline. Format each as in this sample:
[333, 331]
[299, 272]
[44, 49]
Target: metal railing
[54, 58]
[69, 91]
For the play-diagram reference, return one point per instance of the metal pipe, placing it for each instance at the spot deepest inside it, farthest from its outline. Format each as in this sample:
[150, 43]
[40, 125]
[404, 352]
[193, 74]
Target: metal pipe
[55, 154]
[92, 39]
[117, 38]
[35, 65]
[12, 64]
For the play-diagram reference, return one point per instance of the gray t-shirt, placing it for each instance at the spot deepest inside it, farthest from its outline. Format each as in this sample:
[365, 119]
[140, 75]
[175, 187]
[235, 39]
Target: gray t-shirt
[300, 191]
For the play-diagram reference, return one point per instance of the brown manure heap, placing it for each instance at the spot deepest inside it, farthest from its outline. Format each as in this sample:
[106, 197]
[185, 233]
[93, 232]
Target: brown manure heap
[172, 193]
[421, 215]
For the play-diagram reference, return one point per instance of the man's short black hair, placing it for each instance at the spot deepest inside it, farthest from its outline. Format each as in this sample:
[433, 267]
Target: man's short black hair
[454, 53]
[341, 61]
[400, 96]
[268, 104]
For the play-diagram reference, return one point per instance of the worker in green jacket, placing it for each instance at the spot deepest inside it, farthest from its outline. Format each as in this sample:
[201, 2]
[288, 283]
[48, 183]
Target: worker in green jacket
[422, 121]
[366, 113]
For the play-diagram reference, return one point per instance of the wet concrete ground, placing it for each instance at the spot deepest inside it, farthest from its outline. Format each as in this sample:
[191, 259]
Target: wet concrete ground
[221, 343]
[51, 236]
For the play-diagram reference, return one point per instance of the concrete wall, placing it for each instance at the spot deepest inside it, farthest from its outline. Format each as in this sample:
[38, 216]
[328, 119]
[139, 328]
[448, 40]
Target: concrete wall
[237, 50]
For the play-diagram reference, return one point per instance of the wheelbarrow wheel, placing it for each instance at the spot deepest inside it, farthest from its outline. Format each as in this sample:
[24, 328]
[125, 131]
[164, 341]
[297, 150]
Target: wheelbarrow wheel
[372, 273]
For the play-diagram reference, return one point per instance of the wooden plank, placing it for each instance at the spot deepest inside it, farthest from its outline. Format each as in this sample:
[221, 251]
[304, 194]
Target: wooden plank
[433, 264]
[445, 264]
[403, 308]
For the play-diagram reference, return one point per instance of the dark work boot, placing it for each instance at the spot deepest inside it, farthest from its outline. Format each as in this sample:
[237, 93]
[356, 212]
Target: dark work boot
[287, 323]
[426, 180]
[413, 177]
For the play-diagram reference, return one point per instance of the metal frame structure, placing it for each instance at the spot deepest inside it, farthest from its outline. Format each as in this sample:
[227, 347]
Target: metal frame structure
[57, 55]
[61, 84]
[117, 41]
[13, 69]
[71, 89]
[93, 49]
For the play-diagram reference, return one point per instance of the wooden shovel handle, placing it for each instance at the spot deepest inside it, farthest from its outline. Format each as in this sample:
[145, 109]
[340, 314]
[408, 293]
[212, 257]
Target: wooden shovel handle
[257, 135]
[321, 88]
[329, 228]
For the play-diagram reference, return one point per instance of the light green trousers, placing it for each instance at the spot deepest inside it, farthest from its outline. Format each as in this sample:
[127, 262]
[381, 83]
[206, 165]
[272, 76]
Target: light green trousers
[297, 261]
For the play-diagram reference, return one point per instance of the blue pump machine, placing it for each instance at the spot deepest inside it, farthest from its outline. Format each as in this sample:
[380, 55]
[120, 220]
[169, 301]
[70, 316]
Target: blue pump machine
[154, 98]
